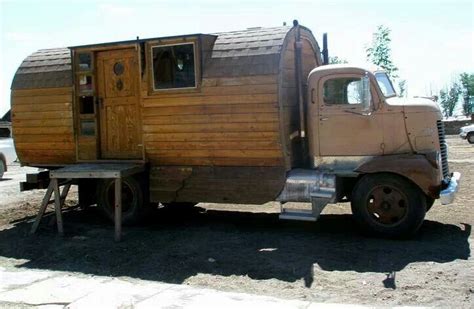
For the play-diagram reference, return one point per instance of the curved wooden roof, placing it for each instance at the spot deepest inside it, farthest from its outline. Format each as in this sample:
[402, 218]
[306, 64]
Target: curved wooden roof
[46, 68]
[254, 51]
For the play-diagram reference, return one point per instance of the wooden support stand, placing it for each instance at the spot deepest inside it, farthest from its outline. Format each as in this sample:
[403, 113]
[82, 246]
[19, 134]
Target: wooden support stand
[85, 171]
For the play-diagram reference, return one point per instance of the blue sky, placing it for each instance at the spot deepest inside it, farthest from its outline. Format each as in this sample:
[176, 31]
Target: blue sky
[432, 41]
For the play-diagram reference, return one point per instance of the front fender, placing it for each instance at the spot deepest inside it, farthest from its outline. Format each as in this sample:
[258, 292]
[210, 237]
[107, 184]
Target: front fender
[416, 168]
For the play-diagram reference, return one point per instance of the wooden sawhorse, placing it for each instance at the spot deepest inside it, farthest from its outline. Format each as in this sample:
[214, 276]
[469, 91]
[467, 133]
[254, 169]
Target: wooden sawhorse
[115, 171]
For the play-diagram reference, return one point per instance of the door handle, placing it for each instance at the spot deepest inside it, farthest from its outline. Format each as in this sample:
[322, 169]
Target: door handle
[312, 95]
[323, 118]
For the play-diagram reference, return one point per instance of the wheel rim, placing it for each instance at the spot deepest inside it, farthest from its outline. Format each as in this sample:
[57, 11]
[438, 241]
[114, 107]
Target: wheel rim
[128, 197]
[471, 138]
[387, 205]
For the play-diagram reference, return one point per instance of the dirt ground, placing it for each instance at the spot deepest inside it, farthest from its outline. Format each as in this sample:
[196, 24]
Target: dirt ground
[245, 248]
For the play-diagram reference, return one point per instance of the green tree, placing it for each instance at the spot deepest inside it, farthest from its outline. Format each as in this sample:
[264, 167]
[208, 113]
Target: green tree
[449, 98]
[379, 52]
[402, 86]
[467, 82]
[336, 60]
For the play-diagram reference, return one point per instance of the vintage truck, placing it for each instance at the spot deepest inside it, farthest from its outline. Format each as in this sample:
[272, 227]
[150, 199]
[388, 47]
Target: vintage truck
[247, 116]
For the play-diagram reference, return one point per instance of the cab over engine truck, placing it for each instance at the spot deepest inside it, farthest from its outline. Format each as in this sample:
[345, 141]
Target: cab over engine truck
[247, 116]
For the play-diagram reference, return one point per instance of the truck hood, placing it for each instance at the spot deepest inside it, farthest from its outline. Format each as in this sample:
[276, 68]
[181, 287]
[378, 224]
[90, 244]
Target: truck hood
[415, 105]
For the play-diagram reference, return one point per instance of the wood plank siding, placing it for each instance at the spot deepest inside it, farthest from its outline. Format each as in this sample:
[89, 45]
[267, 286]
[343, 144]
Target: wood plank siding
[225, 140]
[42, 122]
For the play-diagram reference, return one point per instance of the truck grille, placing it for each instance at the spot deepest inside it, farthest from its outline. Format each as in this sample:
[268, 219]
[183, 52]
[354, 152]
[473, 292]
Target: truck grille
[444, 149]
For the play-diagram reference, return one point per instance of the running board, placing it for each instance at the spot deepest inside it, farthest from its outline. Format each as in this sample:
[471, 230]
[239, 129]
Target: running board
[297, 214]
[312, 186]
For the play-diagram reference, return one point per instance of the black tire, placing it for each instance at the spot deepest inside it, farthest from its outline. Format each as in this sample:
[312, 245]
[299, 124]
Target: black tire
[134, 206]
[470, 138]
[3, 167]
[429, 203]
[388, 205]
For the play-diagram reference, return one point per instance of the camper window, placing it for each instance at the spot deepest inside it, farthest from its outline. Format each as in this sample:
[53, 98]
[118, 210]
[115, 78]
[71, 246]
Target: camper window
[84, 62]
[174, 66]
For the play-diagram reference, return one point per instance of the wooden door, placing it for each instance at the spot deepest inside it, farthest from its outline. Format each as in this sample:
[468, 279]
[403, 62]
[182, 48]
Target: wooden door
[117, 80]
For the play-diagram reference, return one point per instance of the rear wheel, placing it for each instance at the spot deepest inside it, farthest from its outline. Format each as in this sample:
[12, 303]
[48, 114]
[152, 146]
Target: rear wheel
[388, 205]
[134, 207]
[470, 138]
[3, 167]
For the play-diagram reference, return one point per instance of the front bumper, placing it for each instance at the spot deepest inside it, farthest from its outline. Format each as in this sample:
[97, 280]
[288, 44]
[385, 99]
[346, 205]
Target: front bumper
[463, 135]
[447, 195]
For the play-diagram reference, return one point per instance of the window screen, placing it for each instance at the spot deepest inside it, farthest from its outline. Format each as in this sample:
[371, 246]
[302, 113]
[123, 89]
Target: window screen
[173, 66]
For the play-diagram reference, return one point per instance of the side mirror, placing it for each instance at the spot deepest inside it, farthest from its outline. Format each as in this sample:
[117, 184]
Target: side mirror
[366, 96]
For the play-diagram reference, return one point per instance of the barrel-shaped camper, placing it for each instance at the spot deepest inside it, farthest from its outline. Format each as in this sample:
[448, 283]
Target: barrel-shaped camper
[215, 118]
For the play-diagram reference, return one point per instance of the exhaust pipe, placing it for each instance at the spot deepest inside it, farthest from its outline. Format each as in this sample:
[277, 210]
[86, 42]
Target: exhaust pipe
[325, 51]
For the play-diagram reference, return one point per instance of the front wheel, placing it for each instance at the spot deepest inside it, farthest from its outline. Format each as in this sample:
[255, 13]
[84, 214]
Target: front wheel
[388, 205]
[470, 138]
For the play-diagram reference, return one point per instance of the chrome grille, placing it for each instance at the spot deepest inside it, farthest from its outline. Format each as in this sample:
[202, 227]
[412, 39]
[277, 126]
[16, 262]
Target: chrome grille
[443, 149]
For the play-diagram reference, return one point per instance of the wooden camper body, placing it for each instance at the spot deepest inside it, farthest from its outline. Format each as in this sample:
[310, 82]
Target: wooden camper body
[231, 138]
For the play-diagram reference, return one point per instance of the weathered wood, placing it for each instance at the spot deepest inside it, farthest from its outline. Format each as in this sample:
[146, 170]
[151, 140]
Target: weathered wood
[41, 92]
[40, 115]
[238, 81]
[32, 123]
[212, 127]
[210, 100]
[43, 130]
[42, 209]
[218, 145]
[150, 138]
[87, 149]
[42, 107]
[216, 184]
[57, 206]
[217, 118]
[44, 146]
[240, 115]
[64, 98]
[213, 161]
[211, 109]
[216, 153]
[33, 138]
[223, 90]
[119, 112]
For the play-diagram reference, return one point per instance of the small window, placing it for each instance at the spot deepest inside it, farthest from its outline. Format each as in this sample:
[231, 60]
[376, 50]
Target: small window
[86, 104]
[343, 91]
[85, 83]
[87, 127]
[84, 62]
[173, 66]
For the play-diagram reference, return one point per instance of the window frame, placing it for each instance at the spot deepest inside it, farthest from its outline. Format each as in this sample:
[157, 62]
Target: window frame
[324, 106]
[151, 74]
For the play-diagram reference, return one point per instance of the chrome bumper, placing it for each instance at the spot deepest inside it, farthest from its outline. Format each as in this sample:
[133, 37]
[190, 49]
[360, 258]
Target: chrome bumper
[447, 195]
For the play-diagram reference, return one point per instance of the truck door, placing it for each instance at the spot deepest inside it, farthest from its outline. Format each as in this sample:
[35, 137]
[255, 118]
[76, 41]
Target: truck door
[344, 130]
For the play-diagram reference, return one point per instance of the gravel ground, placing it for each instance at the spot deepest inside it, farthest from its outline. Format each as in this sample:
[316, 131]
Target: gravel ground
[245, 248]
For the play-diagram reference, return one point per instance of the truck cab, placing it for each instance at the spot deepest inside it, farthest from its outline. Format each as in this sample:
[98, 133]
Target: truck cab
[385, 154]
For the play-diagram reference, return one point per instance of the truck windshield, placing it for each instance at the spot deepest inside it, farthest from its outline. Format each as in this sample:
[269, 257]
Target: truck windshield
[385, 84]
